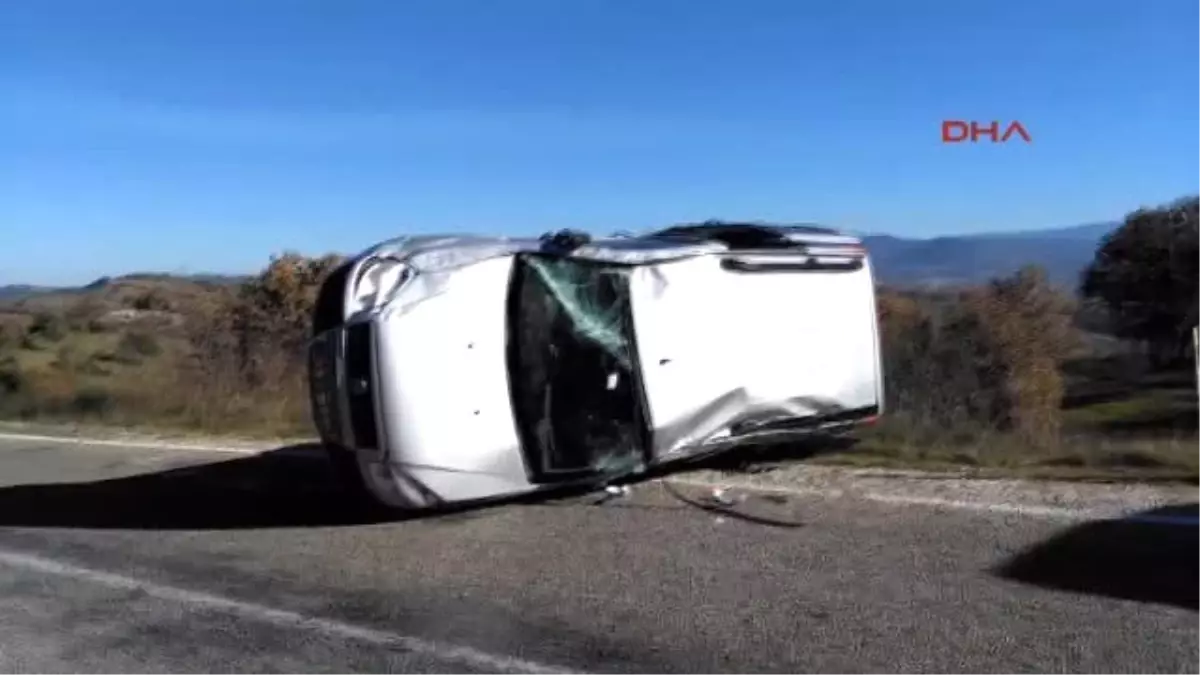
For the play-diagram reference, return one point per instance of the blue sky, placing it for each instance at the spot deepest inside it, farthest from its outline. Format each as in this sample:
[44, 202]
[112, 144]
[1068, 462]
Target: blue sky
[205, 135]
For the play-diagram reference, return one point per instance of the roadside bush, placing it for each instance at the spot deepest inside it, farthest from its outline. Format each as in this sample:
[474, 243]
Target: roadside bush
[268, 319]
[247, 361]
[12, 380]
[14, 387]
[92, 402]
[1028, 326]
[987, 360]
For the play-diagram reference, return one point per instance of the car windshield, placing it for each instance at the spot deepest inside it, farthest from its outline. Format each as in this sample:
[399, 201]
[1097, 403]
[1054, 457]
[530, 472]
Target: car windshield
[574, 375]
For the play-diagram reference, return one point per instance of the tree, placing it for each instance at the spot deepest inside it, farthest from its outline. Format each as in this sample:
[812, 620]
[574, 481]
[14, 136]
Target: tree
[983, 359]
[1027, 324]
[1145, 273]
[270, 316]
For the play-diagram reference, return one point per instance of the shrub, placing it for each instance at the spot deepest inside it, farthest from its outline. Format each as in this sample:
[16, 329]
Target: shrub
[139, 343]
[264, 326]
[84, 314]
[151, 300]
[246, 361]
[12, 380]
[66, 358]
[11, 335]
[94, 365]
[986, 359]
[30, 343]
[92, 402]
[1028, 326]
[47, 326]
[14, 388]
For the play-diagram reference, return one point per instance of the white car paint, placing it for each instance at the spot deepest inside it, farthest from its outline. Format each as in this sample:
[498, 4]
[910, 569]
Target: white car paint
[704, 332]
[443, 403]
[714, 347]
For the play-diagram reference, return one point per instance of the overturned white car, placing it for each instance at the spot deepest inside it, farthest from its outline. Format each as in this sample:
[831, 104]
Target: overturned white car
[453, 369]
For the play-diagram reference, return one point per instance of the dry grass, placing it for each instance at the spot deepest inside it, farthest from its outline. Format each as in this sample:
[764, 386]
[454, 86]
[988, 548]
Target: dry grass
[145, 352]
[1076, 456]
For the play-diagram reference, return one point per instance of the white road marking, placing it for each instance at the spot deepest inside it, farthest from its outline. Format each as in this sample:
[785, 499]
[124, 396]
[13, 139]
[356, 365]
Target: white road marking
[282, 618]
[139, 445]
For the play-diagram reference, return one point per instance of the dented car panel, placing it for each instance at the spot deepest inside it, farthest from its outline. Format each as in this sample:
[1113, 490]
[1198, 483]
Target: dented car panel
[469, 368]
[722, 349]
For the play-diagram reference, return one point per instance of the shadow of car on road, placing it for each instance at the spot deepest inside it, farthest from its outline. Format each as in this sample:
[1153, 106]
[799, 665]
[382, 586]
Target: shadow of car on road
[1152, 556]
[290, 486]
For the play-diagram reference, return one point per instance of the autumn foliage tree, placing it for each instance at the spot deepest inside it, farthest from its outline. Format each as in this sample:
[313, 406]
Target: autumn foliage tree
[983, 359]
[1025, 325]
[255, 336]
[270, 317]
[1145, 273]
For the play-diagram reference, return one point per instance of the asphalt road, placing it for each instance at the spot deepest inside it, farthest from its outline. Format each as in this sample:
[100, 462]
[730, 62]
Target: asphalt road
[141, 560]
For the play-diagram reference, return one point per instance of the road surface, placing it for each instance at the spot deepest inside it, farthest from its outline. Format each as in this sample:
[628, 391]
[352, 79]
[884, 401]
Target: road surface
[150, 560]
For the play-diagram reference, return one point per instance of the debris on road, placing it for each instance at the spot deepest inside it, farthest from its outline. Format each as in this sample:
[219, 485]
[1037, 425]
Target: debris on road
[721, 497]
[612, 492]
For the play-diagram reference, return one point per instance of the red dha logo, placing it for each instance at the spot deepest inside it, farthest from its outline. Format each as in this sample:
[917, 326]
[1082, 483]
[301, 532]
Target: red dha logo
[956, 131]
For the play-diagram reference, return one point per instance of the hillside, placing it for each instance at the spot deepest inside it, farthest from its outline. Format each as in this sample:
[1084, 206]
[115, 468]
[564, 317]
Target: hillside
[18, 291]
[144, 290]
[965, 259]
[1063, 252]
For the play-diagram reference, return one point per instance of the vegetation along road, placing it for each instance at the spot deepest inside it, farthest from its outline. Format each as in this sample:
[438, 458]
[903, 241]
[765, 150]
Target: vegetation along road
[118, 556]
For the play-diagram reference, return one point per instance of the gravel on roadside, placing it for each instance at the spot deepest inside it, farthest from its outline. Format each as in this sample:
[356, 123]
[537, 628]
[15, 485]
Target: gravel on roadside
[958, 490]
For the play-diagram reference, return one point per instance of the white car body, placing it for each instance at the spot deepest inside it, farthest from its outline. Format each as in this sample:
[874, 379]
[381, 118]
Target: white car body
[470, 368]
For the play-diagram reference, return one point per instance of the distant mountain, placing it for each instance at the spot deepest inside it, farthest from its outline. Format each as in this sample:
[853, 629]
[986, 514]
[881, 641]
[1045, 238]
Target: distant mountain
[14, 291]
[18, 295]
[942, 261]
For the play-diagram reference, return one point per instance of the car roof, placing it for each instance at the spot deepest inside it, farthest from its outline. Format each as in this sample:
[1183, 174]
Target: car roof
[686, 240]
